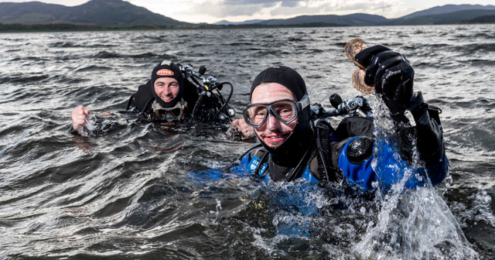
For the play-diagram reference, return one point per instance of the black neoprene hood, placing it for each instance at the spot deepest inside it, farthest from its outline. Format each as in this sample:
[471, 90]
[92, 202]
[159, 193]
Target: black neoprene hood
[290, 152]
[282, 75]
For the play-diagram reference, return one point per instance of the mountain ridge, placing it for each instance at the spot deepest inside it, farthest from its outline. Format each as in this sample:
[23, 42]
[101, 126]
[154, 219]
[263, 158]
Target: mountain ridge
[94, 12]
[447, 9]
[426, 16]
[119, 13]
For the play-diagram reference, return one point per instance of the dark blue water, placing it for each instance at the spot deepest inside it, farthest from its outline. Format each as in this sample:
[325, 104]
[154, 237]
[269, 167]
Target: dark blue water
[131, 192]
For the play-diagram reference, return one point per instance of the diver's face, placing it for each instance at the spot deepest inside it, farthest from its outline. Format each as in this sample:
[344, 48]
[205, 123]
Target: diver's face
[166, 88]
[273, 133]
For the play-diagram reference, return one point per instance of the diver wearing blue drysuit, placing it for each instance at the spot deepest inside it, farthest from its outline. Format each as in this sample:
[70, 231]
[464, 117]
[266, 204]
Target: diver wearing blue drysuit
[292, 147]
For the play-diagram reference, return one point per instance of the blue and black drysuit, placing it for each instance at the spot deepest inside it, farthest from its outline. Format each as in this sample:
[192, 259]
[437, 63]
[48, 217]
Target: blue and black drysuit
[351, 152]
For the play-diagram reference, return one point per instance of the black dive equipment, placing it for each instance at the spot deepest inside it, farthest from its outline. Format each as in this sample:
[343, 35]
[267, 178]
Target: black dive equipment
[357, 106]
[329, 171]
[353, 107]
[211, 105]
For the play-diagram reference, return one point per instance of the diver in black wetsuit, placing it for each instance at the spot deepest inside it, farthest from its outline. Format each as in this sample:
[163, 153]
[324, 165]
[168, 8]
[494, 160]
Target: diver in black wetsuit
[295, 146]
[166, 97]
[170, 97]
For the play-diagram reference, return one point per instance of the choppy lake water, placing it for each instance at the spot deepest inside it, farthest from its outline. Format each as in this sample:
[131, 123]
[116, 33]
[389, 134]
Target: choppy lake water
[138, 192]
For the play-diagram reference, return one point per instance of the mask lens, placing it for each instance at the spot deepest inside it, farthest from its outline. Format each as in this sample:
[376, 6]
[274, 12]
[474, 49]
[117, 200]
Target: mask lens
[255, 115]
[177, 112]
[285, 110]
[160, 114]
[169, 115]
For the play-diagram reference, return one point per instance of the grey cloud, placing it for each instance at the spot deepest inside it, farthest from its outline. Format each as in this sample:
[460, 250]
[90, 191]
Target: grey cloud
[240, 7]
[284, 11]
[222, 10]
[288, 7]
[333, 8]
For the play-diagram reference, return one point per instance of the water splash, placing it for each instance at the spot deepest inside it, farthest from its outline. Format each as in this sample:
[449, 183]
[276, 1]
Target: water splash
[218, 208]
[89, 127]
[289, 214]
[98, 124]
[411, 223]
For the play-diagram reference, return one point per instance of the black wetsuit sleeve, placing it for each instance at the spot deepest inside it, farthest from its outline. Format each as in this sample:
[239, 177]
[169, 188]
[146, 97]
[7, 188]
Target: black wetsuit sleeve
[428, 130]
[430, 139]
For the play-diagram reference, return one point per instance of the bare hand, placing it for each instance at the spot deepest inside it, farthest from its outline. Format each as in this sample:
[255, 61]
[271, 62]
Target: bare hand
[240, 126]
[79, 116]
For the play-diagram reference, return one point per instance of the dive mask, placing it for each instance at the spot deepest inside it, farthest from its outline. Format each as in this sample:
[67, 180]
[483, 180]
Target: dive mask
[285, 110]
[169, 114]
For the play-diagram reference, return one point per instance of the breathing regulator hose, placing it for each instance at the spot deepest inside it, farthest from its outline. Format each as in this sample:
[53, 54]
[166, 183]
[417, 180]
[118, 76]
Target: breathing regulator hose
[225, 102]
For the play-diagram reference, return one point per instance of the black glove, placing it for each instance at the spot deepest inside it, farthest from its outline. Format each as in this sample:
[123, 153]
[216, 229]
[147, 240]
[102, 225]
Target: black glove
[392, 75]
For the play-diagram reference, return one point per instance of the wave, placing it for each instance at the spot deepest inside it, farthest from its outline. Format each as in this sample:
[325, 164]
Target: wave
[93, 68]
[481, 62]
[78, 45]
[470, 49]
[108, 55]
[30, 58]
[128, 191]
[63, 45]
[296, 39]
[114, 55]
[23, 79]
[239, 44]
[142, 55]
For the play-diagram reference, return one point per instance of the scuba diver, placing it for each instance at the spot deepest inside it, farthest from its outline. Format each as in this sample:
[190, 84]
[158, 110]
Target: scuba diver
[173, 95]
[294, 144]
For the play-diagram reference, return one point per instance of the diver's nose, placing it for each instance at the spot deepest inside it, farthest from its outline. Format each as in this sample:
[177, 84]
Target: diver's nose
[272, 122]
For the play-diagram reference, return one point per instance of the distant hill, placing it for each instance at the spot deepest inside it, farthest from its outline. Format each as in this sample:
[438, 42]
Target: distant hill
[225, 22]
[341, 20]
[94, 12]
[466, 16]
[30, 12]
[484, 19]
[447, 14]
[447, 9]
[118, 14]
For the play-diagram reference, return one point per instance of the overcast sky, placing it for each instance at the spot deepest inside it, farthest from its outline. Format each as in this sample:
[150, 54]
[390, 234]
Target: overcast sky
[210, 11]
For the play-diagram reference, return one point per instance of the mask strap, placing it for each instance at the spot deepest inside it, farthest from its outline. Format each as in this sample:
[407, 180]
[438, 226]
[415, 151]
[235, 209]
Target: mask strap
[304, 102]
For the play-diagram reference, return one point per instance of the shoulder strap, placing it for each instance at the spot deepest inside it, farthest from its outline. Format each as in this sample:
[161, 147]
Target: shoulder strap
[325, 167]
[262, 154]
